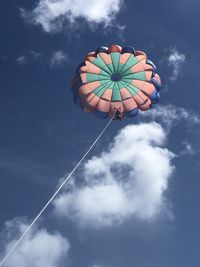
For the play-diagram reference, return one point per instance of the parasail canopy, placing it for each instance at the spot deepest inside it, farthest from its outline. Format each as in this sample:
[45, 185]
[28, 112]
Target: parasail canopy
[116, 81]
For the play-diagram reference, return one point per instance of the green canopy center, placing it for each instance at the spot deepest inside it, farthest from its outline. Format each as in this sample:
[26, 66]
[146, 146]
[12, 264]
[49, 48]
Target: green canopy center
[116, 77]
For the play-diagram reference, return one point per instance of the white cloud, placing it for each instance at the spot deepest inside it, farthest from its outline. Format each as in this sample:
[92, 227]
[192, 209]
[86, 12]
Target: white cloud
[38, 248]
[58, 58]
[53, 14]
[175, 60]
[169, 115]
[129, 179]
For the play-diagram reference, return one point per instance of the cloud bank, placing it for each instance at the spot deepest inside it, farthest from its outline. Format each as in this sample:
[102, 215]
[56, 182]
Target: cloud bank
[129, 179]
[38, 248]
[52, 15]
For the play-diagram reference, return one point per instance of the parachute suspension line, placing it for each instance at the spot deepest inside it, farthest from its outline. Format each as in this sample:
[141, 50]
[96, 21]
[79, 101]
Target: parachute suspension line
[55, 194]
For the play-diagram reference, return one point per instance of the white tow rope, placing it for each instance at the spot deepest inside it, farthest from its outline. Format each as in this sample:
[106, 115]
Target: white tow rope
[54, 195]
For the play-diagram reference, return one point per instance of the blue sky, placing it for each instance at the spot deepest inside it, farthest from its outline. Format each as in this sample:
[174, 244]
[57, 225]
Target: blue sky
[123, 207]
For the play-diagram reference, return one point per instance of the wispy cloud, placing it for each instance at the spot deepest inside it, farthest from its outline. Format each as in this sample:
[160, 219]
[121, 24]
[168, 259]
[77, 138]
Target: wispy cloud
[127, 180]
[28, 57]
[39, 247]
[3, 58]
[55, 60]
[169, 115]
[22, 60]
[188, 149]
[175, 61]
[58, 59]
[52, 15]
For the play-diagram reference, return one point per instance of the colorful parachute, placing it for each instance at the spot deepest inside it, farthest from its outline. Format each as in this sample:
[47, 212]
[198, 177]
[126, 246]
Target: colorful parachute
[116, 80]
